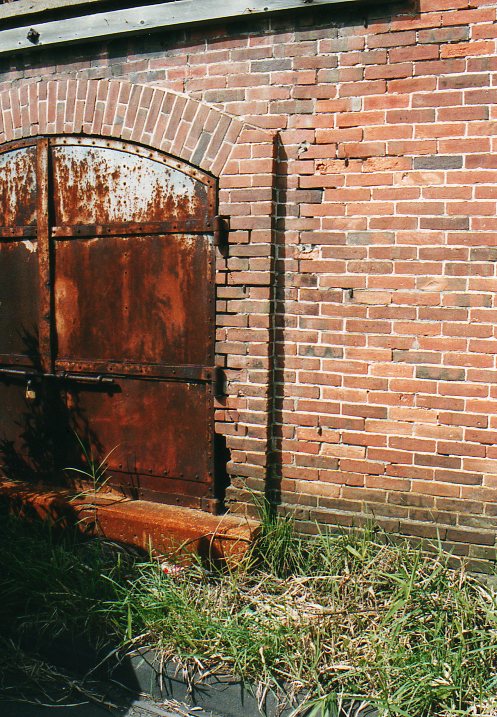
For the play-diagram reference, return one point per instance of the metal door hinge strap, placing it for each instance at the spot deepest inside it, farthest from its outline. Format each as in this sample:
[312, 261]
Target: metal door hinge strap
[219, 382]
[185, 226]
[18, 231]
[221, 232]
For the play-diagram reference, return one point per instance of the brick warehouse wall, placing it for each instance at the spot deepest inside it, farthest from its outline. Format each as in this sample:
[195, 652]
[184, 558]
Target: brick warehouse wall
[377, 322]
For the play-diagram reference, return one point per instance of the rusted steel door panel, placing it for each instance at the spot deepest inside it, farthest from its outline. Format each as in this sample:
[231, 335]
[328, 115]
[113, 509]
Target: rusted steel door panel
[19, 302]
[18, 187]
[19, 314]
[105, 184]
[15, 418]
[157, 433]
[18, 257]
[32, 430]
[107, 305]
[138, 299]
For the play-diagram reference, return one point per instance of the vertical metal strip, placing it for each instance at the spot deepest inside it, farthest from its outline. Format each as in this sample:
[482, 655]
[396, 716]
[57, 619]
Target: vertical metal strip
[216, 497]
[45, 286]
[214, 503]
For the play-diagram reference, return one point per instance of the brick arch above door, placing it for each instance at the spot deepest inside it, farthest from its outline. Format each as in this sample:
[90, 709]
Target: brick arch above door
[242, 158]
[193, 131]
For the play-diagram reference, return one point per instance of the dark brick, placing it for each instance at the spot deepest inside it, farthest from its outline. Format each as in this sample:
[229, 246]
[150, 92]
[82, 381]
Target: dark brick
[321, 351]
[471, 536]
[400, 355]
[461, 477]
[438, 162]
[425, 459]
[422, 530]
[202, 145]
[224, 95]
[461, 82]
[292, 107]
[358, 238]
[483, 254]
[436, 373]
[334, 518]
[483, 552]
[478, 522]
[444, 34]
[309, 196]
[445, 223]
[468, 299]
[273, 65]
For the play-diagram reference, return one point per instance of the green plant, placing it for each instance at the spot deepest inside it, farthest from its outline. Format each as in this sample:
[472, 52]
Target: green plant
[95, 474]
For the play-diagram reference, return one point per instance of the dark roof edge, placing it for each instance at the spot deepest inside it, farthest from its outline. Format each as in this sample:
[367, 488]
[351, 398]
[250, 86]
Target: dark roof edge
[137, 19]
[22, 8]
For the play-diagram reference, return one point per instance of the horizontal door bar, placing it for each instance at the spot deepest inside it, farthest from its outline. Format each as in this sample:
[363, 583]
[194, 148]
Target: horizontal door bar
[125, 228]
[63, 375]
[8, 232]
[129, 369]
[100, 372]
[17, 360]
[24, 373]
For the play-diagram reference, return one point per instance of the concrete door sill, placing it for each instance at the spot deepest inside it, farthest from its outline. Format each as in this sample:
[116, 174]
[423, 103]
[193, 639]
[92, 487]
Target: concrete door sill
[142, 524]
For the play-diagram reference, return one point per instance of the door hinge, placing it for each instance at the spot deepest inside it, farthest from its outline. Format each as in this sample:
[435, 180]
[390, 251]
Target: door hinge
[221, 233]
[219, 383]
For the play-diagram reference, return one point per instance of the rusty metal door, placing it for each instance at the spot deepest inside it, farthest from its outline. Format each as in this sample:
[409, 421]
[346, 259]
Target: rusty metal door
[107, 310]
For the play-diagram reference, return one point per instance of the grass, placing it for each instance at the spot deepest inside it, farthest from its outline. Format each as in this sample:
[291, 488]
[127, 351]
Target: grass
[337, 618]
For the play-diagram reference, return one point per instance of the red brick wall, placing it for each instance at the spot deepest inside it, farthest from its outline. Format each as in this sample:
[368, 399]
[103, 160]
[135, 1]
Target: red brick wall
[364, 324]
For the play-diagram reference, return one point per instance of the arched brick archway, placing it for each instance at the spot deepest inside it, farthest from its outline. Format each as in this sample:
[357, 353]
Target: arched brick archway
[173, 123]
[242, 159]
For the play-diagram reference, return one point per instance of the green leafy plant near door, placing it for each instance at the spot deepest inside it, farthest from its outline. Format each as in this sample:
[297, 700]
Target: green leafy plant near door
[94, 475]
[336, 618]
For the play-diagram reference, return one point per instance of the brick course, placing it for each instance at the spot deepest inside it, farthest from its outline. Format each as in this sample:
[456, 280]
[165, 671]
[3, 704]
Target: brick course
[356, 310]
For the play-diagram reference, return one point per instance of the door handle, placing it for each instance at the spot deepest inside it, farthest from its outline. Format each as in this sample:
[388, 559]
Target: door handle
[86, 378]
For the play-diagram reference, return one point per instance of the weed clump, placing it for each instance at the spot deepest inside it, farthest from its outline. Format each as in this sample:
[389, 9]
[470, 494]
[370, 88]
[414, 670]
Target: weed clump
[352, 616]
